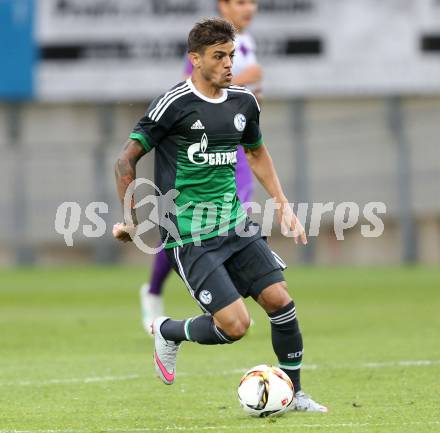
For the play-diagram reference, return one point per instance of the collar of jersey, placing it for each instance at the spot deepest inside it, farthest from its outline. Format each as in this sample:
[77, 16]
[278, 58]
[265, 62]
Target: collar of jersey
[205, 98]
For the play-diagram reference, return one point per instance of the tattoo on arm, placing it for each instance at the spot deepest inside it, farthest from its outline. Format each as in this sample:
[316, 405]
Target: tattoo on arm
[125, 169]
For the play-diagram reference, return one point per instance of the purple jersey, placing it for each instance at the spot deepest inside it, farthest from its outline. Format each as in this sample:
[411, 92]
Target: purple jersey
[243, 177]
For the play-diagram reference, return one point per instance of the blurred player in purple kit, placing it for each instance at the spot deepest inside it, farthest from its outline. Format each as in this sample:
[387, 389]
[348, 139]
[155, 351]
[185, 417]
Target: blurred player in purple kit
[246, 72]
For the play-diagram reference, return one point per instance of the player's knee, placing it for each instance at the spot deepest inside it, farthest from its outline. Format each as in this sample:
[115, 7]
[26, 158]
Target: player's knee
[278, 303]
[237, 329]
[275, 297]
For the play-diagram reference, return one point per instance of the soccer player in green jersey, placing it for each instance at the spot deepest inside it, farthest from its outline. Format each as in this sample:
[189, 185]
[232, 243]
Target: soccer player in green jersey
[246, 72]
[220, 254]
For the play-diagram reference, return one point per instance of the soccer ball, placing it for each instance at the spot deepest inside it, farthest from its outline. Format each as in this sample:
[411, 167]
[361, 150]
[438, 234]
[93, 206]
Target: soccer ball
[264, 391]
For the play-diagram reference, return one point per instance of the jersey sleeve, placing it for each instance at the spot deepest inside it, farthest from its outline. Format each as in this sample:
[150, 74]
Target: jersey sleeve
[252, 137]
[155, 124]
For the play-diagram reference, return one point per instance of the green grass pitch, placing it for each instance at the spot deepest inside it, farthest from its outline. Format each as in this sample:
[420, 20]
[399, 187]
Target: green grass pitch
[74, 358]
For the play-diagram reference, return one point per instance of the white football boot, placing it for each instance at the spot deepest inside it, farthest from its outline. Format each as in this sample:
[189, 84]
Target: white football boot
[165, 353]
[151, 307]
[304, 403]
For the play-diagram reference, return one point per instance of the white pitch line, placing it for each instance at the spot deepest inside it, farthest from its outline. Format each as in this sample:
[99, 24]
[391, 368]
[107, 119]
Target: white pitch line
[97, 379]
[420, 363]
[92, 379]
[262, 426]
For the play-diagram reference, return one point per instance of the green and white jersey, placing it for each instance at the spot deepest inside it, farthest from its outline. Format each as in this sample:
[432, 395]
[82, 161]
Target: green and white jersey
[195, 140]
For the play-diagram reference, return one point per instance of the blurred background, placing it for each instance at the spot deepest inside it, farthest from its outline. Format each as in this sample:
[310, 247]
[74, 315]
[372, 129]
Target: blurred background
[351, 113]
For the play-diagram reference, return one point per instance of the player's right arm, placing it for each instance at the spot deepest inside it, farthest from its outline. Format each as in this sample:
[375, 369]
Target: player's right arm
[146, 135]
[125, 173]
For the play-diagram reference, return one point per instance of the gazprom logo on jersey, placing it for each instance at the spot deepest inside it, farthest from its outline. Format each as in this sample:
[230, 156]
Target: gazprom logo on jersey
[197, 154]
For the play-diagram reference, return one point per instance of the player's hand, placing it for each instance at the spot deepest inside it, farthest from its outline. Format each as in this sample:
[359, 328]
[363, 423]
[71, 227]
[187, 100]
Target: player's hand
[290, 223]
[123, 232]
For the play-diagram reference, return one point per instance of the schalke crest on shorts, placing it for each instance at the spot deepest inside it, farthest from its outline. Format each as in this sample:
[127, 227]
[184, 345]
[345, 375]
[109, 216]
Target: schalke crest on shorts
[205, 297]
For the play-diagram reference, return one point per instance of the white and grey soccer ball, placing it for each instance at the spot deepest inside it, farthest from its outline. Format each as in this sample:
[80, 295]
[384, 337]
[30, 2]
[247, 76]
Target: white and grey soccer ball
[265, 391]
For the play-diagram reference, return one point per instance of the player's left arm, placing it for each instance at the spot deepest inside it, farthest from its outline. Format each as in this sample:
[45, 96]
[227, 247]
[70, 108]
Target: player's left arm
[263, 168]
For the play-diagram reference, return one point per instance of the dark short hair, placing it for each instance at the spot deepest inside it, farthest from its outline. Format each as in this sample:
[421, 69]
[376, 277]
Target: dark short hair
[210, 31]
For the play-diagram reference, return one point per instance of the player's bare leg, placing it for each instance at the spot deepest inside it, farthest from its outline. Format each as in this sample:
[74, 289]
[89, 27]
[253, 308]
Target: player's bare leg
[233, 320]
